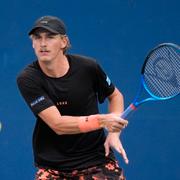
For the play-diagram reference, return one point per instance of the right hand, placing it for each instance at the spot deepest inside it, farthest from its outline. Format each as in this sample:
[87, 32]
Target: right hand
[113, 122]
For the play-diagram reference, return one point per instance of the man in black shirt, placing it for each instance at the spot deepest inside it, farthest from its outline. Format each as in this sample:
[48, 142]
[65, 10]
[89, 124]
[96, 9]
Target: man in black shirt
[63, 92]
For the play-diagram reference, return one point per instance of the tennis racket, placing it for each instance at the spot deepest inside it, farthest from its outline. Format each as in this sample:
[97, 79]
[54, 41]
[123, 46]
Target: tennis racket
[160, 76]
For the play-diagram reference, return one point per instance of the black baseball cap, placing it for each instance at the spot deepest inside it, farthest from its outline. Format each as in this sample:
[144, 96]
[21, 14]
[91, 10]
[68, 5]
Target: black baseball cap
[50, 23]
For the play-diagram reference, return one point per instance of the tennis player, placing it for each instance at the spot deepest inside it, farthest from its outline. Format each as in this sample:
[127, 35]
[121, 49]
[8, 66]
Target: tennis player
[63, 91]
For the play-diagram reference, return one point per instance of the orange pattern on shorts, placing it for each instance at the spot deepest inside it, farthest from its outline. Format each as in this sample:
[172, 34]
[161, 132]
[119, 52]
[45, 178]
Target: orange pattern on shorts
[110, 171]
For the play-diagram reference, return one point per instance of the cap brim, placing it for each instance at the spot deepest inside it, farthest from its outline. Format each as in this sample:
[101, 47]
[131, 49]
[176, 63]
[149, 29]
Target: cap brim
[44, 27]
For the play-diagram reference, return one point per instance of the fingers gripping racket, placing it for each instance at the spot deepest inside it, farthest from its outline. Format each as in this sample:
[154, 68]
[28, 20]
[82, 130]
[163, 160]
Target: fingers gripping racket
[160, 76]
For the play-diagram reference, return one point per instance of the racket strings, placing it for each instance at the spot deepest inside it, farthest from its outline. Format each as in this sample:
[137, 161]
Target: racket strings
[162, 72]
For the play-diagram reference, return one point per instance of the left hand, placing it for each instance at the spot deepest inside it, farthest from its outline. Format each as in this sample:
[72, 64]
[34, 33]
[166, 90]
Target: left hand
[112, 122]
[113, 140]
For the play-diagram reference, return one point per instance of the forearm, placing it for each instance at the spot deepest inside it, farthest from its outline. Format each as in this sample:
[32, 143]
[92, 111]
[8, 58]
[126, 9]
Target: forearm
[116, 105]
[66, 125]
[80, 124]
[62, 124]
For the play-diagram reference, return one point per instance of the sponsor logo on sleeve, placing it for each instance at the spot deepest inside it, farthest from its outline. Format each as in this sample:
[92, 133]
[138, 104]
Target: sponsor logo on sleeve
[36, 101]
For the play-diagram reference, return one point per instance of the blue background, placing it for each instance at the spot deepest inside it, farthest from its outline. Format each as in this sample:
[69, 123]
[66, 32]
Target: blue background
[119, 34]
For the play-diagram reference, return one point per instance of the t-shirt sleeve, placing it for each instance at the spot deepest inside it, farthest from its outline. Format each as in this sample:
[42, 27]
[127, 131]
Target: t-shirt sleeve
[34, 95]
[104, 86]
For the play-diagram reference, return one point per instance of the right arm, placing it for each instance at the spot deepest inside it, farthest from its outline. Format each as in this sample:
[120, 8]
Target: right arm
[71, 124]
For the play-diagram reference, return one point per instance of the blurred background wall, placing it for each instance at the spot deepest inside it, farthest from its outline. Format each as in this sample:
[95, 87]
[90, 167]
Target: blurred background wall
[119, 34]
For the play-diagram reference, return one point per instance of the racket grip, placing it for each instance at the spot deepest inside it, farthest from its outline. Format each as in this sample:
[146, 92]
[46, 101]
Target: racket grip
[128, 110]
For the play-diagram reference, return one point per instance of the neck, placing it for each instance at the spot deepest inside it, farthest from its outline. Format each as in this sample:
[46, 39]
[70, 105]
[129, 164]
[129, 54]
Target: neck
[56, 68]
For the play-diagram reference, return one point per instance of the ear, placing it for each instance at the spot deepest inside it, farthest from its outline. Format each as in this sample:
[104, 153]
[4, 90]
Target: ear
[64, 41]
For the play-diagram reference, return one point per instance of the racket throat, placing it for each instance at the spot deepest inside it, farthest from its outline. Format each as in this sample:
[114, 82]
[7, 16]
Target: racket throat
[128, 110]
[133, 106]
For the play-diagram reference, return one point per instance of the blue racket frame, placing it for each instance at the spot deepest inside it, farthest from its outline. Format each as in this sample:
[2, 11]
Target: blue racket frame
[133, 106]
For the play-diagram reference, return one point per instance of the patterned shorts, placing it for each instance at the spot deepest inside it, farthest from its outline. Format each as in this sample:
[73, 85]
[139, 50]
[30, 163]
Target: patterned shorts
[109, 171]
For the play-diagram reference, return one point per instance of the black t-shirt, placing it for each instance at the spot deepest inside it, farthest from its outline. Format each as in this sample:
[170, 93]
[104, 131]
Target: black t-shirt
[76, 94]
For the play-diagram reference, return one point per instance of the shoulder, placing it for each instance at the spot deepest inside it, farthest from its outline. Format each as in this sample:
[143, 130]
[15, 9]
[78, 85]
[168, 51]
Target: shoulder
[82, 60]
[30, 72]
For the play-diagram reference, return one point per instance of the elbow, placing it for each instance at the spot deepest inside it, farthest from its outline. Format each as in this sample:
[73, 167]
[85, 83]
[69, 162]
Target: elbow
[116, 94]
[121, 95]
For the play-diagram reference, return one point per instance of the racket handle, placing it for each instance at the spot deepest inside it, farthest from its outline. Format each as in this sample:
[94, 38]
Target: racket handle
[128, 110]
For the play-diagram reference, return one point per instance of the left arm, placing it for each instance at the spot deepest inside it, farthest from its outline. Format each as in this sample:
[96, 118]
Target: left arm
[116, 106]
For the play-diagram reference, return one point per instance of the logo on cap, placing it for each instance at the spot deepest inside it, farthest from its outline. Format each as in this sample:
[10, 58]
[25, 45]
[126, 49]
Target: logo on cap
[44, 22]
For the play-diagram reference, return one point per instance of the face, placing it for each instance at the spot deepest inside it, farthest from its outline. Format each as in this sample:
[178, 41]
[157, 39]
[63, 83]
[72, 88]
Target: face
[48, 46]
